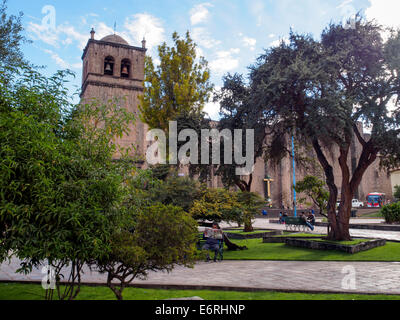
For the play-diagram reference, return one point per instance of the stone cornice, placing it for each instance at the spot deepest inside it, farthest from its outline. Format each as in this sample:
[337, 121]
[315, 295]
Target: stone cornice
[112, 44]
[109, 85]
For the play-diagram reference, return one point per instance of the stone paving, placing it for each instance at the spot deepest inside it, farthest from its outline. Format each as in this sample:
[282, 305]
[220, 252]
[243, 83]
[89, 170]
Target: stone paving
[365, 233]
[317, 276]
[304, 276]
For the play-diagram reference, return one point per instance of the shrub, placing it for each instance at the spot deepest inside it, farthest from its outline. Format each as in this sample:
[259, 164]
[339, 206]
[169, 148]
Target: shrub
[391, 213]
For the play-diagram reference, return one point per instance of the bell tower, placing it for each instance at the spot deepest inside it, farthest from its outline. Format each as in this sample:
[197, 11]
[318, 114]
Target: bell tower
[114, 69]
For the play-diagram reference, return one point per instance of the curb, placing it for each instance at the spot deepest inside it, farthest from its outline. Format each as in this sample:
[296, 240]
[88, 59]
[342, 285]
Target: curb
[222, 288]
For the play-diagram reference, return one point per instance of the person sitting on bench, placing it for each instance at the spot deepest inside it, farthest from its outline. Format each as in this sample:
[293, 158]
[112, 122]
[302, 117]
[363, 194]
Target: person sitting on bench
[311, 218]
[304, 218]
[214, 241]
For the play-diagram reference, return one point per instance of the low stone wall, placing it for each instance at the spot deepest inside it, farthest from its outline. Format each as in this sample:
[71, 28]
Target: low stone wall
[366, 226]
[267, 233]
[325, 245]
[269, 239]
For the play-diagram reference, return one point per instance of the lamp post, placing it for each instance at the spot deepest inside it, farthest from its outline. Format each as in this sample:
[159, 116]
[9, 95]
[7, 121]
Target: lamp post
[268, 180]
[294, 179]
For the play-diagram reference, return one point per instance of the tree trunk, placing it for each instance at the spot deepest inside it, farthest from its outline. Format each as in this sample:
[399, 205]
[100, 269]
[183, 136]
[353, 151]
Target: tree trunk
[231, 246]
[248, 226]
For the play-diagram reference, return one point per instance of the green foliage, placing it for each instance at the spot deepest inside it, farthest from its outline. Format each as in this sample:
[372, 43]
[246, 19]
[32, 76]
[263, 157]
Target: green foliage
[225, 205]
[320, 91]
[250, 203]
[179, 84]
[11, 37]
[196, 122]
[396, 193]
[315, 189]
[216, 205]
[178, 191]
[160, 171]
[238, 112]
[162, 237]
[61, 193]
[391, 213]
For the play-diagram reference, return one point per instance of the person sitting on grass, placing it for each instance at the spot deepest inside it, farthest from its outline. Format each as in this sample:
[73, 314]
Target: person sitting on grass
[214, 241]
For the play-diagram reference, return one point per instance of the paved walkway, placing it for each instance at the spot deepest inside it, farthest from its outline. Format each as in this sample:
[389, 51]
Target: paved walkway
[320, 276]
[329, 277]
[365, 233]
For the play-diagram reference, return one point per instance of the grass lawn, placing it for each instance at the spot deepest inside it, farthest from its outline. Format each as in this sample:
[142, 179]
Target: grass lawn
[291, 234]
[240, 231]
[17, 291]
[376, 214]
[280, 251]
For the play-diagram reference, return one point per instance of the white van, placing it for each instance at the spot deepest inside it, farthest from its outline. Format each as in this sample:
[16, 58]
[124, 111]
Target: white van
[356, 204]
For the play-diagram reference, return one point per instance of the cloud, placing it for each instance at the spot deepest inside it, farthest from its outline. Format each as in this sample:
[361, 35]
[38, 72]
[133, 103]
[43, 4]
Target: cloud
[249, 42]
[63, 34]
[277, 43]
[202, 37]
[73, 35]
[225, 61]
[144, 25]
[61, 62]
[199, 13]
[102, 30]
[257, 8]
[43, 33]
[213, 108]
[385, 12]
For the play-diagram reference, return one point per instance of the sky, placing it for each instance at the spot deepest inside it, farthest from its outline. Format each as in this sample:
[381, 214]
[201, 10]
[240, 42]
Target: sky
[230, 35]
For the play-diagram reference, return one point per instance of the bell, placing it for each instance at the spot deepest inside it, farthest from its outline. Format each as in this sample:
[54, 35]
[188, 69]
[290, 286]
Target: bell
[108, 67]
[125, 71]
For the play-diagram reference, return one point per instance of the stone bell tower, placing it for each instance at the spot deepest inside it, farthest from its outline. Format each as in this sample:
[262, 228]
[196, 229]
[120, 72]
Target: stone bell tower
[114, 69]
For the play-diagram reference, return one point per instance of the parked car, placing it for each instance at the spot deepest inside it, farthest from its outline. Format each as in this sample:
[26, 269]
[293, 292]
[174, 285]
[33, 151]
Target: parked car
[355, 203]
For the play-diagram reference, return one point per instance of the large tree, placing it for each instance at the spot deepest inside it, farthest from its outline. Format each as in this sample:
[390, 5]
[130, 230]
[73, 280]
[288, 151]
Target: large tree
[180, 83]
[11, 38]
[61, 193]
[321, 91]
[237, 112]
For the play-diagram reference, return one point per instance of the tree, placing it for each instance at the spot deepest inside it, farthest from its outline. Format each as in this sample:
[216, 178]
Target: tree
[178, 191]
[61, 191]
[11, 39]
[315, 189]
[321, 91]
[217, 205]
[396, 193]
[250, 203]
[237, 112]
[161, 238]
[179, 84]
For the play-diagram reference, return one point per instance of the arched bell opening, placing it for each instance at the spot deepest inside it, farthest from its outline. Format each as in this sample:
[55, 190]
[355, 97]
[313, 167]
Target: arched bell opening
[125, 68]
[109, 66]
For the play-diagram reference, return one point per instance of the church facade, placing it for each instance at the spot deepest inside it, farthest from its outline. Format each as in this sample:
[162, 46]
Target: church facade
[112, 68]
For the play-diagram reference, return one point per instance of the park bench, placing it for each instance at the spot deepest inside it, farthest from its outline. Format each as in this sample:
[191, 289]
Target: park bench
[295, 223]
[202, 241]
